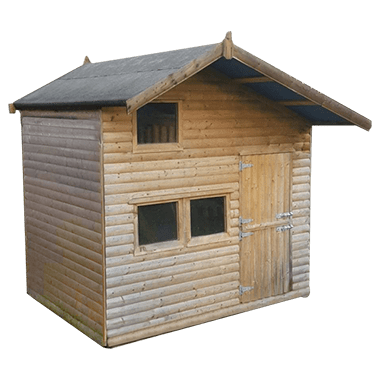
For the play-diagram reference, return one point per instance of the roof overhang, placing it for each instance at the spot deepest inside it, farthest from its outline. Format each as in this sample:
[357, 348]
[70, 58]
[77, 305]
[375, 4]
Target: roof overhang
[263, 78]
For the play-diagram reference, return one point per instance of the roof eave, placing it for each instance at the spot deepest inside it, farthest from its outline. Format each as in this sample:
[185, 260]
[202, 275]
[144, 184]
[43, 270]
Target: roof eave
[300, 88]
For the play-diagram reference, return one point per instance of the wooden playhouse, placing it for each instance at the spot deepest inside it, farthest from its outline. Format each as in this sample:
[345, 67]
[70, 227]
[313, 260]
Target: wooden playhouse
[168, 190]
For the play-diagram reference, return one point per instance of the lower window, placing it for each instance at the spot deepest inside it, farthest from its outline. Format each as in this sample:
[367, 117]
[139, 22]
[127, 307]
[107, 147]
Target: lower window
[157, 223]
[207, 216]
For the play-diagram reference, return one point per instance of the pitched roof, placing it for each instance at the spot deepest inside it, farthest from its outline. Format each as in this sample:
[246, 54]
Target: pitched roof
[136, 81]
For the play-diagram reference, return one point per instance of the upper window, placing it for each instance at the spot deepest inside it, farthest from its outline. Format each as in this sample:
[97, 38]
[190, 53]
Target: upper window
[207, 216]
[157, 123]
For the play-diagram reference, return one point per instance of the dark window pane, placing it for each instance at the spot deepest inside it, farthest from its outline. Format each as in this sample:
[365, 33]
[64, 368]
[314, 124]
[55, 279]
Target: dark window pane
[157, 123]
[207, 216]
[157, 223]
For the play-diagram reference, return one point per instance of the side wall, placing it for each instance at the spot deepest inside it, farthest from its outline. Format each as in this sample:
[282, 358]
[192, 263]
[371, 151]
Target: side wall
[151, 293]
[63, 225]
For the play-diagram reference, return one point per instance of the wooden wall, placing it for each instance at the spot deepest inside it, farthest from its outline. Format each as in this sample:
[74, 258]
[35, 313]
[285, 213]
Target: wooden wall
[156, 292]
[63, 215]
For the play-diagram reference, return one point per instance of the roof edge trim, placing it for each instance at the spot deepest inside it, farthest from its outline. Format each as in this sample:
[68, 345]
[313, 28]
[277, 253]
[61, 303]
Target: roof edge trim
[301, 88]
[175, 79]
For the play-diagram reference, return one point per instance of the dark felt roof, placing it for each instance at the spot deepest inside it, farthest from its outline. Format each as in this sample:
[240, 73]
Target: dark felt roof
[109, 83]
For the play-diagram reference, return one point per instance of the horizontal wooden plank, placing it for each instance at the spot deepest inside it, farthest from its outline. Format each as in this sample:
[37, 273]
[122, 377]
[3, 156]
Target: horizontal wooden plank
[300, 196]
[302, 261]
[169, 184]
[301, 229]
[300, 245]
[80, 265]
[162, 272]
[241, 122]
[301, 171]
[303, 179]
[72, 121]
[64, 216]
[119, 209]
[70, 162]
[119, 250]
[64, 170]
[122, 147]
[67, 133]
[163, 282]
[156, 175]
[116, 220]
[299, 188]
[144, 296]
[65, 244]
[93, 196]
[171, 261]
[65, 225]
[300, 237]
[63, 179]
[242, 141]
[300, 269]
[68, 277]
[115, 137]
[77, 154]
[119, 230]
[97, 337]
[183, 163]
[302, 163]
[165, 305]
[300, 278]
[171, 311]
[217, 133]
[60, 142]
[65, 302]
[64, 234]
[62, 197]
[301, 285]
[266, 147]
[300, 253]
[65, 115]
[117, 126]
[65, 207]
[117, 240]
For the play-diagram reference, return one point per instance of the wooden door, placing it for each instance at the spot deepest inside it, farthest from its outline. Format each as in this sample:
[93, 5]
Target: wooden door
[265, 232]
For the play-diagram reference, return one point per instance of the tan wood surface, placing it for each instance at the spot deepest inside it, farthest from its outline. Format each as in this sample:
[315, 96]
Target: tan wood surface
[265, 255]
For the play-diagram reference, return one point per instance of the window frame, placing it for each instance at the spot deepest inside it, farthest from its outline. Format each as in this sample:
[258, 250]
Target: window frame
[184, 239]
[164, 245]
[159, 147]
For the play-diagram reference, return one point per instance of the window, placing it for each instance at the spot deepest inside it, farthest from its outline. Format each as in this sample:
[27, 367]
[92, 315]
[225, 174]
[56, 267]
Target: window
[207, 216]
[157, 123]
[157, 223]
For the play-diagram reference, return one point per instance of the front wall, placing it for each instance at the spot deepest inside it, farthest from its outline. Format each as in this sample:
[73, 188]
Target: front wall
[156, 292]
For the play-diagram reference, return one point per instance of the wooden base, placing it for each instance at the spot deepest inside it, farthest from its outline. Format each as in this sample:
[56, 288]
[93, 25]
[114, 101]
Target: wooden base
[178, 325]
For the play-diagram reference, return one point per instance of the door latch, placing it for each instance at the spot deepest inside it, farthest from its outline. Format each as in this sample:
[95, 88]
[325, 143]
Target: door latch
[284, 228]
[244, 234]
[284, 215]
[242, 165]
[243, 289]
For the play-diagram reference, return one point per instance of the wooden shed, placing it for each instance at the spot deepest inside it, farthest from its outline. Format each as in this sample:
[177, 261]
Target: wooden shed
[171, 189]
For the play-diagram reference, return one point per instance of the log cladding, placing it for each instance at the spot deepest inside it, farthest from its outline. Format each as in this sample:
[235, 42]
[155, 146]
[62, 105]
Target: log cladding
[63, 215]
[194, 280]
[301, 220]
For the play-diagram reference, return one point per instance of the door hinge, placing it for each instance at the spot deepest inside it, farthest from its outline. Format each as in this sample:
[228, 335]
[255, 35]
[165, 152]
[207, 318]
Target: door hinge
[284, 228]
[244, 234]
[242, 165]
[284, 215]
[243, 289]
[244, 221]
